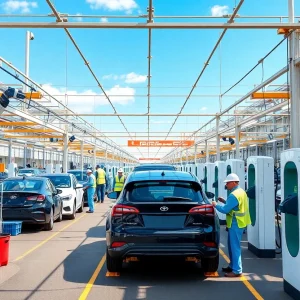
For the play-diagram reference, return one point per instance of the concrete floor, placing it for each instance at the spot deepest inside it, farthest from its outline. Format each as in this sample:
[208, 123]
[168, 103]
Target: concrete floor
[59, 264]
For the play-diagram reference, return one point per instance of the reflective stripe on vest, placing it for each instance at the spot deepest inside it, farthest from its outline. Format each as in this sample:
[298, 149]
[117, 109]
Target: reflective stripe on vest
[119, 183]
[101, 176]
[94, 181]
[242, 215]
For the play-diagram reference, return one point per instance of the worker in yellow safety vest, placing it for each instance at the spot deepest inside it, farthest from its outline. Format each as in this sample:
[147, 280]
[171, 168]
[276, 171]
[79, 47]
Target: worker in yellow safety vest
[119, 182]
[236, 208]
[101, 182]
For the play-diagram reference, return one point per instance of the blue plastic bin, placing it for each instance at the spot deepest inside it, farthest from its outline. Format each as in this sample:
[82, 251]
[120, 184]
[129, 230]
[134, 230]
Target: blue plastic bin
[12, 227]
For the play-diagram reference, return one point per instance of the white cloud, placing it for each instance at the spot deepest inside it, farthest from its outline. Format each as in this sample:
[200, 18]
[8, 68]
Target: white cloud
[88, 100]
[14, 5]
[123, 5]
[128, 78]
[219, 11]
[104, 20]
[135, 78]
[203, 108]
[78, 19]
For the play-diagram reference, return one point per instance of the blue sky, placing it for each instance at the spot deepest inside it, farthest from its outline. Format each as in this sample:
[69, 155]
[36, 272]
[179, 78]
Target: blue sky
[178, 57]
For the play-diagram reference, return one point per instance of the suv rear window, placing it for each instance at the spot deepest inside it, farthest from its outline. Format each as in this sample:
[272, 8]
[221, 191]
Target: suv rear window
[154, 167]
[157, 191]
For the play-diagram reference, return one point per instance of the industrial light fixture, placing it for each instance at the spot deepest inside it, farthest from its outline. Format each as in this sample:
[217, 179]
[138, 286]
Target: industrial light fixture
[224, 139]
[231, 141]
[72, 138]
[270, 136]
[202, 152]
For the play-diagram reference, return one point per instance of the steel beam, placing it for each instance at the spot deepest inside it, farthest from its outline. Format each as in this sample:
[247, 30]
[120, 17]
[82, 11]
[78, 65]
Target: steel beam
[157, 25]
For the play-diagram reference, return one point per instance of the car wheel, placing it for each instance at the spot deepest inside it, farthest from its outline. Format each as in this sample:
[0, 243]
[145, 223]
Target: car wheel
[113, 264]
[210, 264]
[80, 210]
[60, 217]
[49, 226]
[73, 216]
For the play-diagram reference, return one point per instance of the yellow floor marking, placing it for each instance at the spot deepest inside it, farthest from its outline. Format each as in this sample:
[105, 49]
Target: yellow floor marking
[91, 282]
[112, 274]
[47, 240]
[249, 286]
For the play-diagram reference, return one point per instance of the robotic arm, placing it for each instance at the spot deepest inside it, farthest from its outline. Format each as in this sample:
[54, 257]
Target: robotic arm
[8, 93]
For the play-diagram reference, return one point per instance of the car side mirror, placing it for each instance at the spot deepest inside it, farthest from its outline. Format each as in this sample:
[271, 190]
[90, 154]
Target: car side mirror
[112, 195]
[58, 191]
[78, 186]
[210, 195]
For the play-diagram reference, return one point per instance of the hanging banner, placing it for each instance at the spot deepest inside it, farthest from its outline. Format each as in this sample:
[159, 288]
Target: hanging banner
[158, 143]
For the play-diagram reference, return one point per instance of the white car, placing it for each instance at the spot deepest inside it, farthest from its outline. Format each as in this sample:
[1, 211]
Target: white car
[72, 193]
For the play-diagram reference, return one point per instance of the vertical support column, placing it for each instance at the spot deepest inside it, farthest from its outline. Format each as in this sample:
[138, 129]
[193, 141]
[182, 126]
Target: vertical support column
[94, 158]
[181, 157]
[256, 150]
[65, 154]
[25, 156]
[237, 138]
[10, 149]
[106, 155]
[195, 154]
[218, 138]
[274, 146]
[294, 53]
[81, 155]
[186, 157]
[207, 150]
[44, 159]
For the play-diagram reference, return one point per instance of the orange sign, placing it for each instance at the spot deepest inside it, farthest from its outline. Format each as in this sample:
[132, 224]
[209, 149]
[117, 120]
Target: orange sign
[149, 158]
[154, 143]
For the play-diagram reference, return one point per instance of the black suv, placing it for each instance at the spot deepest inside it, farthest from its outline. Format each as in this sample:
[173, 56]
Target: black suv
[161, 213]
[151, 167]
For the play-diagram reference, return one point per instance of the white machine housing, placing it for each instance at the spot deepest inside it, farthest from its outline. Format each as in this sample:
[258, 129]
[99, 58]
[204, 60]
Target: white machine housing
[49, 168]
[58, 169]
[237, 167]
[261, 234]
[12, 167]
[210, 167]
[199, 171]
[291, 265]
[221, 166]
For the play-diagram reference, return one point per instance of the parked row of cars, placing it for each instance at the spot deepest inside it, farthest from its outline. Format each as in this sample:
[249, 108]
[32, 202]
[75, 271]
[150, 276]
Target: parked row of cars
[162, 212]
[42, 198]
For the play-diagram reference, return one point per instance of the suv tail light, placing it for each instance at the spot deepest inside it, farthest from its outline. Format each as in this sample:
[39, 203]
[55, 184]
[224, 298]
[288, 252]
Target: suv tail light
[206, 209]
[120, 210]
[39, 198]
[117, 244]
[210, 244]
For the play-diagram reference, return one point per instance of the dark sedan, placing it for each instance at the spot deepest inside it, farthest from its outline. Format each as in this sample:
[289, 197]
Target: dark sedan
[162, 213]
[31, 200]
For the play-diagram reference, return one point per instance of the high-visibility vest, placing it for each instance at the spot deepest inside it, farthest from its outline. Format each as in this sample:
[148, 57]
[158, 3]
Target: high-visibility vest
[94, 181]
[242, 214]
[119, 183]
[101, 176]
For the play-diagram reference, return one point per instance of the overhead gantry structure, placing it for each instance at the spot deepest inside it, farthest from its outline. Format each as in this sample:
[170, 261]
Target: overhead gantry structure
[235, 121]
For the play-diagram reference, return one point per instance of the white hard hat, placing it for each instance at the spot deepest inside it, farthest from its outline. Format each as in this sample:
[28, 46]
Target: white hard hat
[89, 171]
[231, 177]
[120, 170]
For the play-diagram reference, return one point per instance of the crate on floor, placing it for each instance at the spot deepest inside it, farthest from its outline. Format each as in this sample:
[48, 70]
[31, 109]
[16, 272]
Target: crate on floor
[12, 227]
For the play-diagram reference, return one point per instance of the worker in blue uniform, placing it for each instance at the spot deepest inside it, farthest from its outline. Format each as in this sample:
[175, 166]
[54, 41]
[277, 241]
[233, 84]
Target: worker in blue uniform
[90, 186]
[236, 209]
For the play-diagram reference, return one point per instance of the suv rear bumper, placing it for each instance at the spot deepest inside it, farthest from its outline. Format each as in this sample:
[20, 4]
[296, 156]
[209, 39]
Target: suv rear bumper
[197, 250]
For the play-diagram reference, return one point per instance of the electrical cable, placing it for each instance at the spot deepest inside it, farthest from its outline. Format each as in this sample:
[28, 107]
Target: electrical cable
[258, 63]
[278, 244]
